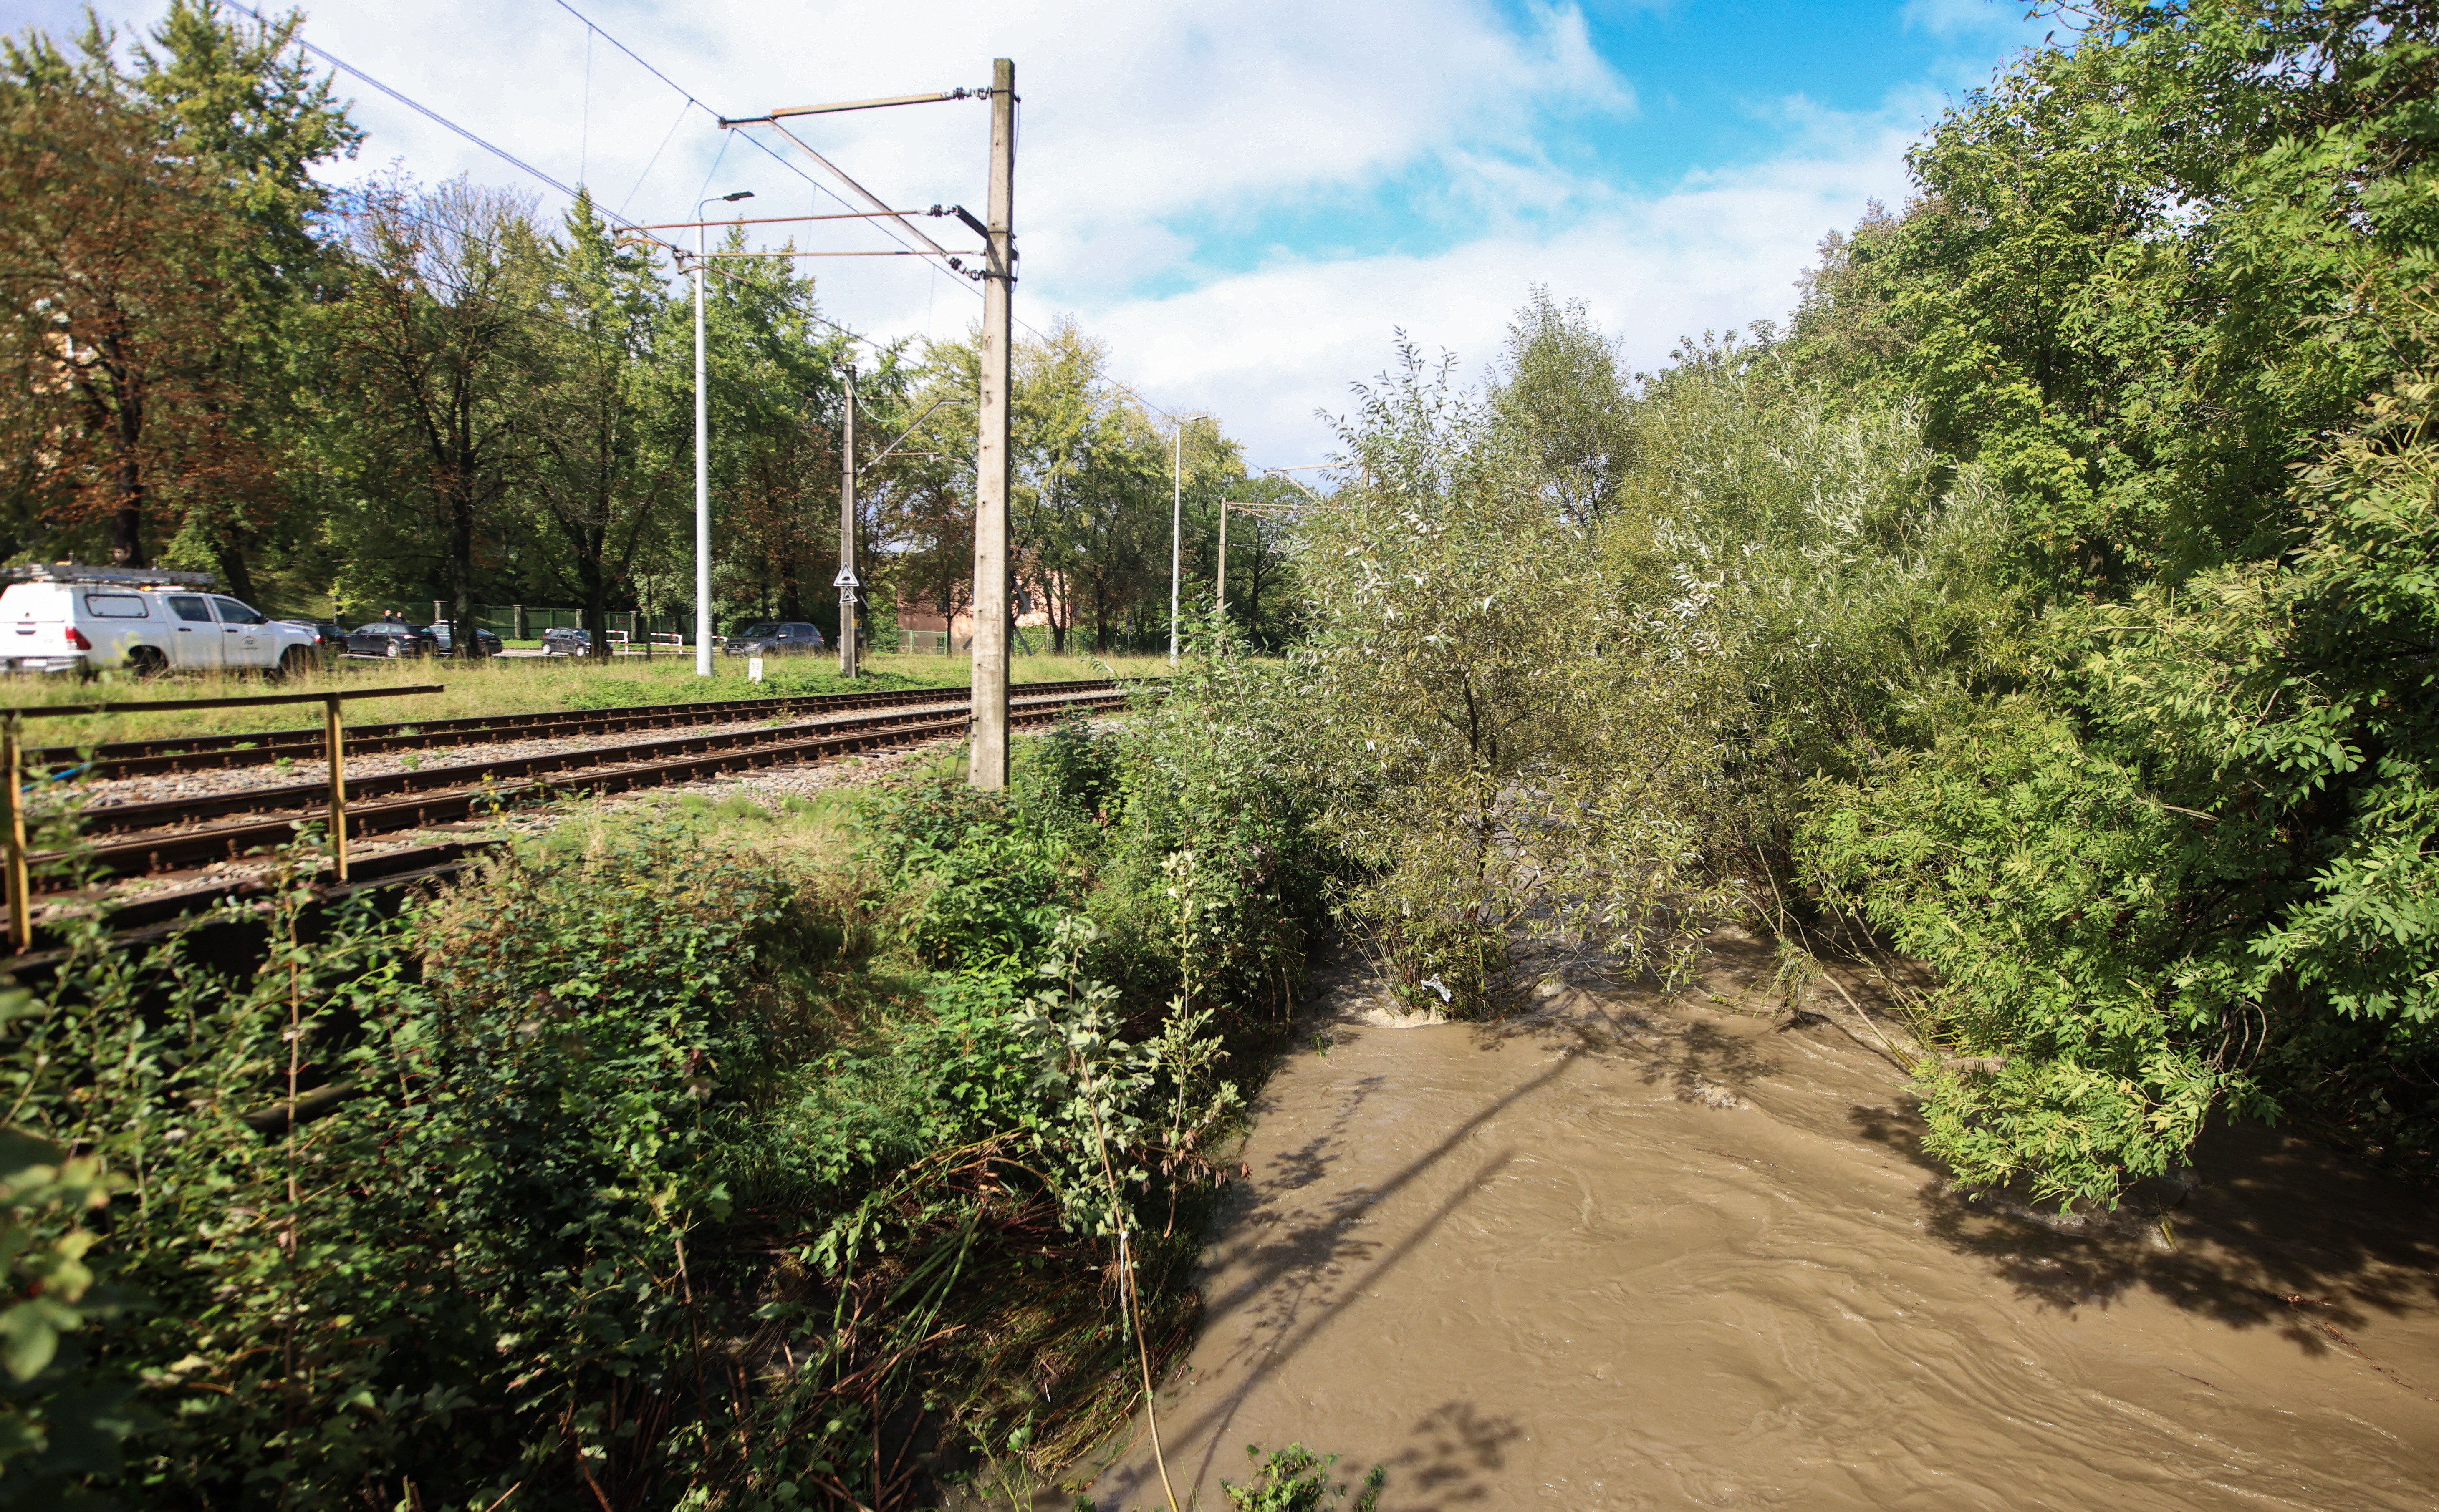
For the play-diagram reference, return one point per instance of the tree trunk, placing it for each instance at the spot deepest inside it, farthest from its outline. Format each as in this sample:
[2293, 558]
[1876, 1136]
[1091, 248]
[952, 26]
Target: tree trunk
[597, 605]
[1254, 598]
[792, 591]
[127, 538]
[127, 421]
[127, 524]
[461, 576]
[229, 557]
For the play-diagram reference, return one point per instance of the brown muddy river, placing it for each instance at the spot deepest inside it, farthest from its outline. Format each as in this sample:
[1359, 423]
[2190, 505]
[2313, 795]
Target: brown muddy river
[1622, 1253]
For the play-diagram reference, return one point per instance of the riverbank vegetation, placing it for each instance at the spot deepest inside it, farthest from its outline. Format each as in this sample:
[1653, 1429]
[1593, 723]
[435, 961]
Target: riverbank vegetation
[2049, 602]
[778, 1159]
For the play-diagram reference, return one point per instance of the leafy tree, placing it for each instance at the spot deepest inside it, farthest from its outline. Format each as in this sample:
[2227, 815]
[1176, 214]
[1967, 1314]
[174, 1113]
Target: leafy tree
[2154, 279]
[438, 332]
[1514, 740]
[112, 245]
[612, 460]
[774, 413]
[241, 100]
[1560, 387]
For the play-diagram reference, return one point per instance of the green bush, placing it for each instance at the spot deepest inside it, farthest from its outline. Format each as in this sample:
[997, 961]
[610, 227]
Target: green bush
[643, 1170]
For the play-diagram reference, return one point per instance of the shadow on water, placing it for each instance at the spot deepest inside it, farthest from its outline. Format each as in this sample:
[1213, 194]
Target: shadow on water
[2280, 1234]
[1308, 1262]
[1454, 1447]
[1698, 1060]
[1309, 1259]
[1472, 1283]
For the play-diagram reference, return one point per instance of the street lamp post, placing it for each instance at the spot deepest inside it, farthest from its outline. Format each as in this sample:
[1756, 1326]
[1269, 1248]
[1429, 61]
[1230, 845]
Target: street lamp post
[703, 454]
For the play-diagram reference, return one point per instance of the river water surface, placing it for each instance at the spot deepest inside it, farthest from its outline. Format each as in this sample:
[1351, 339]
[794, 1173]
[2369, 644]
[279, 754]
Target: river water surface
[1622, 1253]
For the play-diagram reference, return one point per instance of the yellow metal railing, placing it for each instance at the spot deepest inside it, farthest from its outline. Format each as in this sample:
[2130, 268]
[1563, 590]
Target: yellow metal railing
[12, 761]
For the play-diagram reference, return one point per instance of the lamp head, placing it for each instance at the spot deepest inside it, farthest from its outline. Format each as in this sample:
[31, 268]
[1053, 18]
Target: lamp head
[741, 194]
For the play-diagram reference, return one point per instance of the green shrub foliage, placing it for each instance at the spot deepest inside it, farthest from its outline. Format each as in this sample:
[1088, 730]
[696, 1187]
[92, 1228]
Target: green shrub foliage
[2050, 602]
[654, 1172]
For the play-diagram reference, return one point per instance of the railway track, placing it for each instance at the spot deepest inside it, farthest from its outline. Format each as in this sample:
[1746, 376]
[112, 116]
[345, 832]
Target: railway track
[141, 839]
[212, 753]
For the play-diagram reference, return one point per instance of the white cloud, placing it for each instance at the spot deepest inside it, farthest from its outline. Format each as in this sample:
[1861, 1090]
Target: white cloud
[1141, 120]
[1135, 117]
[1132, 111]
[1264, 350]
[1963, 18]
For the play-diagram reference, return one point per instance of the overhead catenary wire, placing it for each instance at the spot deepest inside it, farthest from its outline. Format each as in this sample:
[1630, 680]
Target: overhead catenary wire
[868, 197]
[885, 218]
[654, 161]
[418, 107]
[865, 252]
[781, 219]
[695, 102]
[526, 312]
[616, 218]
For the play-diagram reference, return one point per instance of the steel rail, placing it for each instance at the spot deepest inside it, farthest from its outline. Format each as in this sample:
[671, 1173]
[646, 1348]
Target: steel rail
[127, 758]
[598, 771]
[117, 818]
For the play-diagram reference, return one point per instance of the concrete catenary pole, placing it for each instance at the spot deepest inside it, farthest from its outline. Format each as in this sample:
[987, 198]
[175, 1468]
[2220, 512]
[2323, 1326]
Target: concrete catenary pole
[701, 453]
[850, 663]
[702, 478]
[1176, 521]
[988, 766]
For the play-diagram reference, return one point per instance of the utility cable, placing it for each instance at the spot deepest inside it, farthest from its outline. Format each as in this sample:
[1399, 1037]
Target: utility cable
[616, 218]
[159, 187]
[695, 102]
[654, 161]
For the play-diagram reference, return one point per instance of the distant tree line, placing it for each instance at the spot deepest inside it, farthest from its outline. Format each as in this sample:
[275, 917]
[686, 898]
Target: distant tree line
[407, 391]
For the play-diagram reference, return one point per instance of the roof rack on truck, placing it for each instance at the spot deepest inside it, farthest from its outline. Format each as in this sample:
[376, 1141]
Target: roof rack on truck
[69, 572]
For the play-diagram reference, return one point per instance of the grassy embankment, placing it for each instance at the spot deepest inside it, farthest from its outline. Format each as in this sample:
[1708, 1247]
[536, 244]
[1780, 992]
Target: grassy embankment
[502, 685]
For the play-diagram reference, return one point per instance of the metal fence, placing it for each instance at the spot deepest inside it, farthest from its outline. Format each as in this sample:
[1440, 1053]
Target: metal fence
[519, 622]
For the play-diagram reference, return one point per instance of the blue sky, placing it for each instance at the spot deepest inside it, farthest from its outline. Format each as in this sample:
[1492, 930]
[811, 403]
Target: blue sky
[1245, 201]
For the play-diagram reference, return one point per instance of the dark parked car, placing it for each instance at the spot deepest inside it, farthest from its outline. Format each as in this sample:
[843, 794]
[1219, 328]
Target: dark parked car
[776, 638]
[486, 641]
[393, 638]
[565, 641]
[331, 639]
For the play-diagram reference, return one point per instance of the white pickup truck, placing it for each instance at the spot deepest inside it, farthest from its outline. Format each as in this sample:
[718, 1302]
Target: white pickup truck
[63, 618]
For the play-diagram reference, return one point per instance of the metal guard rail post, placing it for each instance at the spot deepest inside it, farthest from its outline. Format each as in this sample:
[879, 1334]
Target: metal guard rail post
[12, 753]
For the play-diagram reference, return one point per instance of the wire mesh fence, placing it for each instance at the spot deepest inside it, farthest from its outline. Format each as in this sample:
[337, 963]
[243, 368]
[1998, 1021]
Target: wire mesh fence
[525, 622]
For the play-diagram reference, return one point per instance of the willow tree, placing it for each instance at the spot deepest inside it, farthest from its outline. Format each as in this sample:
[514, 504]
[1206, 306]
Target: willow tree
[1517, 743]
